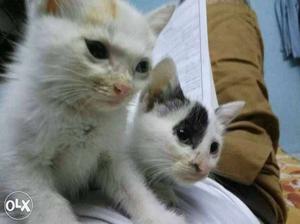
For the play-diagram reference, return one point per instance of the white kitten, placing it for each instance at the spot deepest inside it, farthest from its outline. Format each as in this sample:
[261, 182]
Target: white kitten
[176, 140]
[63, 118]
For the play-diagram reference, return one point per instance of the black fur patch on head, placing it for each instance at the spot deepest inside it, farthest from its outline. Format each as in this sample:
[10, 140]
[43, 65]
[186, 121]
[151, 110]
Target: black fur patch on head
[192, 129]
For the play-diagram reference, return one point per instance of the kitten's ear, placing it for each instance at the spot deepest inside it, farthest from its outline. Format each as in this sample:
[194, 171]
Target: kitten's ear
[163, 77]
[40, 7]
[159, 18]
[228, 112]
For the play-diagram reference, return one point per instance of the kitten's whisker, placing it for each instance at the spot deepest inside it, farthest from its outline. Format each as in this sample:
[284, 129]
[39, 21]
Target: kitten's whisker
[104, 92]
[156, 168]
[59, 77]
[83, 106]
[65, 69]
[62, 82]
[64, 93]
[157, 176]
[69, 97]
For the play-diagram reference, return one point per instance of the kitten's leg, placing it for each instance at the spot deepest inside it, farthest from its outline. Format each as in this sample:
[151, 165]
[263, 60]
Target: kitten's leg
[126, 186]
[49, 206]
[165, 193]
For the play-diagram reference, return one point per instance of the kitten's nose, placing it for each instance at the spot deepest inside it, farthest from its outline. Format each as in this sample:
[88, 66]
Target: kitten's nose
[200, 167]
[122, 90]
[197, 167]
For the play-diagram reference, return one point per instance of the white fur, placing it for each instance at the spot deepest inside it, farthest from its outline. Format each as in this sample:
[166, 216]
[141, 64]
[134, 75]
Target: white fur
[155, 145]
[158, 152]
[57, 130]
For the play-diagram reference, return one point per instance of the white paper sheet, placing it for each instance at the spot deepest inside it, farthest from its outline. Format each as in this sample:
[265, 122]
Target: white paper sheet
[185, 40]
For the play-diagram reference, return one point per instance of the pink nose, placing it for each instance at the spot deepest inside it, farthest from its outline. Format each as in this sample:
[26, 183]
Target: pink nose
[200, 168]
[197, 167]
[122, 89]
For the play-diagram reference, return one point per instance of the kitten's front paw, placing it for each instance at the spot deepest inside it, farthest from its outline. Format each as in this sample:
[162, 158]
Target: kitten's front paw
[173, 218]
[166, 218]
[166, 194]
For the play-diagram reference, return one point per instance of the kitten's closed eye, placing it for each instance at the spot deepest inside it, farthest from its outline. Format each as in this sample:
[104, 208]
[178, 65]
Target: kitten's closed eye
[97, 49]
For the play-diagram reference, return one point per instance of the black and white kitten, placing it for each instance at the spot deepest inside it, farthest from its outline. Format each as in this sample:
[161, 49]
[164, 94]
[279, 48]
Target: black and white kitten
[174, 138]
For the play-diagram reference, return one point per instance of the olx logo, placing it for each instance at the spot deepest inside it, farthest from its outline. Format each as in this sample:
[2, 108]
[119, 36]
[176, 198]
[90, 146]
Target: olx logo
[18, 205]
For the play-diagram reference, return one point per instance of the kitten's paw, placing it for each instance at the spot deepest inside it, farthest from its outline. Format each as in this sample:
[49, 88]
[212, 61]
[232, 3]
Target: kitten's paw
[61, 222]
[173, 218]
[166, 218]
[54, 219]
[166, 194]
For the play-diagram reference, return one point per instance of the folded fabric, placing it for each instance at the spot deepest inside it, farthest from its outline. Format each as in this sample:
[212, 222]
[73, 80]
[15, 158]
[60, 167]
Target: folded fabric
[206, 202]
[288, 16]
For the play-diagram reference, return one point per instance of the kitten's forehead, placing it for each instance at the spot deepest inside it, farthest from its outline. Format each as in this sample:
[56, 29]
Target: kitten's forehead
[101, 11]
[171, 100]
[128, 27]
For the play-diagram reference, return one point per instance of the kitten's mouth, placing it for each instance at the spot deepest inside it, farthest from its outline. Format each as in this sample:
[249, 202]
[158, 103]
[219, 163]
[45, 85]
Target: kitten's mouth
[115, 102]
[121, 93]
[118, 101]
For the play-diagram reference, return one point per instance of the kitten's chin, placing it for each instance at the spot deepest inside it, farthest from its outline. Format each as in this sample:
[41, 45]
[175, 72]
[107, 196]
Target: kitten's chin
[97, 106]
[111, 104]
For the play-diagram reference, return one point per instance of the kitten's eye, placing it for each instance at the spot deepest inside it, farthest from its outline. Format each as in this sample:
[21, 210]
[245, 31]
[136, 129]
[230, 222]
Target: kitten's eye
[183, 136]
[97, 49]
[214, 148]
[143, 66]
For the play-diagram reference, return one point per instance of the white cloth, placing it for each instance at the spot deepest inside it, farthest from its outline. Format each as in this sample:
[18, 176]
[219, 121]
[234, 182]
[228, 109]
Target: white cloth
[207, 203]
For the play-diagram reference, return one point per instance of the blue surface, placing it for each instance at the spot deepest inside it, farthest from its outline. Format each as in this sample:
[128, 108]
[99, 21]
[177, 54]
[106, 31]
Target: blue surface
[282, 77]
[146, 5]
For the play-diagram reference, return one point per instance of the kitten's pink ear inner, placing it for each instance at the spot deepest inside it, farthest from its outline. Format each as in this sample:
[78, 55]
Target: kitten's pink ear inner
[38, 7]
[163, 76]
[159, 18]
[226, 113]
[52, 6]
